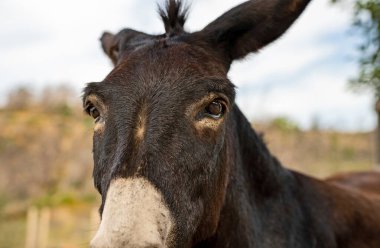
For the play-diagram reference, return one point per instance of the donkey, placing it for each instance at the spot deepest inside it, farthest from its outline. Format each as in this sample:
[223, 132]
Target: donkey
[178, 165]
[367, 182]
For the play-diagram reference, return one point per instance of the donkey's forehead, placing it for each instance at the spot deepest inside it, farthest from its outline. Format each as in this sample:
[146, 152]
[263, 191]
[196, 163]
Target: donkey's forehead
[168, 60]
[179, 70]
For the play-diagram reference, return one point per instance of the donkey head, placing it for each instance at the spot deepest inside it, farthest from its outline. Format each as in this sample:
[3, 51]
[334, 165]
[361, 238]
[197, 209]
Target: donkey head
[164, 123]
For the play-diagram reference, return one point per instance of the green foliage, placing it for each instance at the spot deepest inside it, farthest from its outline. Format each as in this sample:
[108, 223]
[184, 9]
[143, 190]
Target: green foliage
[348, 153]
[366, 20]
[65, 110]
[89, 198]
[64, 199]
[284, 124]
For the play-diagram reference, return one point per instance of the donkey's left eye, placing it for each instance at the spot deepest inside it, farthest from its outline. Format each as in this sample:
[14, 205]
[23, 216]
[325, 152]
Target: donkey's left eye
[94, 113]
[215, 109]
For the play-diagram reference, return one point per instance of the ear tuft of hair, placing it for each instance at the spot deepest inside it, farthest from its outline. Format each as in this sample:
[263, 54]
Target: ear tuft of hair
[174, 16]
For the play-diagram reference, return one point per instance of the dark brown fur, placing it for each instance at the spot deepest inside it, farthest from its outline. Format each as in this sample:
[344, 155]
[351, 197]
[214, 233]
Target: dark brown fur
[222, 185]
[366, 182]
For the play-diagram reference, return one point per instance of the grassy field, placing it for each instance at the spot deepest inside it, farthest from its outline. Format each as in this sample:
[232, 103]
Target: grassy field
[69, 226]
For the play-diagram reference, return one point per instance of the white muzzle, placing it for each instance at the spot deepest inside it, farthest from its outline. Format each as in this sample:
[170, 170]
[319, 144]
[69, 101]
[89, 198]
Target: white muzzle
[134, 215]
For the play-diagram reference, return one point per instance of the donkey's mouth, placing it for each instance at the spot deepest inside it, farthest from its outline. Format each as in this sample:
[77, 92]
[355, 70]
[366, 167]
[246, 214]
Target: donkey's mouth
[134, 215]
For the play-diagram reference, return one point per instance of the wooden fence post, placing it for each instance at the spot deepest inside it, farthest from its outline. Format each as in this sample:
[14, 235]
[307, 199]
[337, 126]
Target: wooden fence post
[31, 228]
[43, 228]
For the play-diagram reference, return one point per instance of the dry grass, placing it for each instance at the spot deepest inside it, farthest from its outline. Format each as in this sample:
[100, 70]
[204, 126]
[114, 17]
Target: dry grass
[319, 153]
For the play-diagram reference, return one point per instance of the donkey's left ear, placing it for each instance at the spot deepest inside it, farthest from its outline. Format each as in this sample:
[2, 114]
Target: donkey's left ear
[250, 26]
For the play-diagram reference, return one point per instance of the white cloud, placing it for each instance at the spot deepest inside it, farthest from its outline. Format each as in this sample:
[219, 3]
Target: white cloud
[319, 96]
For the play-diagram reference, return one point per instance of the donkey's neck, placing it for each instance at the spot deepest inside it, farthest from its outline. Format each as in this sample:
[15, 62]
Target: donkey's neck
[267, 205]
[258, 194]
[263, 174]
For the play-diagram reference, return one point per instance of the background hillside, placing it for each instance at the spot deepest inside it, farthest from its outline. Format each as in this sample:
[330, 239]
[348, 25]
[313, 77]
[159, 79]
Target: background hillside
[46, 161]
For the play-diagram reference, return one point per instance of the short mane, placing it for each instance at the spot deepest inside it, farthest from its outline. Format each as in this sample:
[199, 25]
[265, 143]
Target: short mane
[174, 16]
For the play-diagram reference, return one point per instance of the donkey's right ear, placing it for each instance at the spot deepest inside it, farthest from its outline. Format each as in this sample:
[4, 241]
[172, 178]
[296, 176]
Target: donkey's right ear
[110, 46]
[250, 26]
[117, 47]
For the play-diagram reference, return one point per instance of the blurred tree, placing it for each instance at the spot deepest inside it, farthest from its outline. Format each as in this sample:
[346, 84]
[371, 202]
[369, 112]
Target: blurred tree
[53, 96]
[366, 20]
[58, 99]
[20, 98]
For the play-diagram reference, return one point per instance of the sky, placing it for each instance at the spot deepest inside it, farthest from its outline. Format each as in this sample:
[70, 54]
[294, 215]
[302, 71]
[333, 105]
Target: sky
[301, 76]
